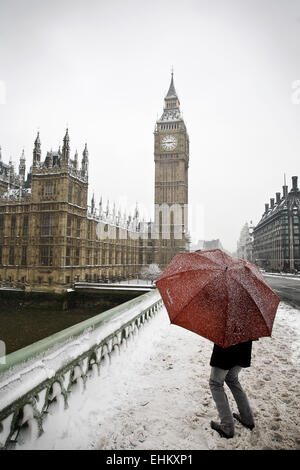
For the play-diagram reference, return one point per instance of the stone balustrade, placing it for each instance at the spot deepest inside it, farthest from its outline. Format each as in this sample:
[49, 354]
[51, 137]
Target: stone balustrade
[36, 378]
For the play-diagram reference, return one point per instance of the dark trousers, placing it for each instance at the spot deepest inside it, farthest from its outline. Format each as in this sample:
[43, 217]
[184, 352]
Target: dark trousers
[216, 383]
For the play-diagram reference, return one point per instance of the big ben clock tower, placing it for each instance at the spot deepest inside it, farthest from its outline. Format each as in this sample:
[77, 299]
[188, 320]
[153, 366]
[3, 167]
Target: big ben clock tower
[171, 156]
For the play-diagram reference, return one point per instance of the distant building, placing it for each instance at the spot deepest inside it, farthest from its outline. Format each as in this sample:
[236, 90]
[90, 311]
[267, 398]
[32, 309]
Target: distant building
[207, 245]
[245, 243]
[276, 236]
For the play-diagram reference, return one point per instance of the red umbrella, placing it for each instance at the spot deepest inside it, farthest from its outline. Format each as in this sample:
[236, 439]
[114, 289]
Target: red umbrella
[224, 299]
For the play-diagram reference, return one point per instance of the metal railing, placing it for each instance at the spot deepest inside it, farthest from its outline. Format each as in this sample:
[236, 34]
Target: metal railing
[35, 377]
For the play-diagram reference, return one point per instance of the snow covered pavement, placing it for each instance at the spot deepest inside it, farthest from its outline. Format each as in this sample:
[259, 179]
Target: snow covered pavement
[155, 395]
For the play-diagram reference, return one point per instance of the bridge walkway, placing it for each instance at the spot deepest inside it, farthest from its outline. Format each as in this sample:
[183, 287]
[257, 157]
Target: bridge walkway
[156, 395]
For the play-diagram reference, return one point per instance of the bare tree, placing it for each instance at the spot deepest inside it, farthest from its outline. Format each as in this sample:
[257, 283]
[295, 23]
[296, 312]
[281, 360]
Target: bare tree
[151, 272]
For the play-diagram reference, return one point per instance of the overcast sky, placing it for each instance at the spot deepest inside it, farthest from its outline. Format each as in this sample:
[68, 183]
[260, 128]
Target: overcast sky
[102, 68]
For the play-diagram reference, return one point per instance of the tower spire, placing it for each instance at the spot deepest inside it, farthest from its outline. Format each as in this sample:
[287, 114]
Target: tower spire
[85, 161]
[76, 159]
[172, 92]
[22, 166]
[66, 148]
[37, 150]
[172, 102]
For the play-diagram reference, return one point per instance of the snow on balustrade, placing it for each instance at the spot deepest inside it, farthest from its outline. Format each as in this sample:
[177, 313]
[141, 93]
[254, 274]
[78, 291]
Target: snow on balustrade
[155, 393]
[38, 380]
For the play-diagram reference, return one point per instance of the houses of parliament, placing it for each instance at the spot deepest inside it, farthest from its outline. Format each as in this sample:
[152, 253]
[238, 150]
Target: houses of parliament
[51, 237]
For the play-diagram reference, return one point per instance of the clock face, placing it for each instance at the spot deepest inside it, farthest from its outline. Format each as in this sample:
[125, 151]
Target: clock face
[169, 142]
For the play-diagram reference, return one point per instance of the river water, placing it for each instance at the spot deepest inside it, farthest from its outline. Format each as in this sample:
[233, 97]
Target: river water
[21, 327]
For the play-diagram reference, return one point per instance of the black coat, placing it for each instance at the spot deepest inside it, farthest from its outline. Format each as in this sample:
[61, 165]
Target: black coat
[237, 355]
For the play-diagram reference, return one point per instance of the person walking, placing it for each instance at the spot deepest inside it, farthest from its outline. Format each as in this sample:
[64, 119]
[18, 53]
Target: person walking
[226, 300]
[226, 364]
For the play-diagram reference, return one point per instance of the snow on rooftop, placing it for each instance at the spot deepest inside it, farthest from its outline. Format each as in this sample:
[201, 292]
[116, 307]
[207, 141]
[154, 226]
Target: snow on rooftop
[16, 193]
[171, 115]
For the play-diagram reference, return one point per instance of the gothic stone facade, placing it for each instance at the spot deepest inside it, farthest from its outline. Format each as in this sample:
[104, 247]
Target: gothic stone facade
[171, 156]
[276, 236]
[49, 237]
[8, 177]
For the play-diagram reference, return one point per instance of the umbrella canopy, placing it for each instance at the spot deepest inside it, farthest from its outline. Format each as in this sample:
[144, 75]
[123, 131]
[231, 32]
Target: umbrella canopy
[224, 299]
